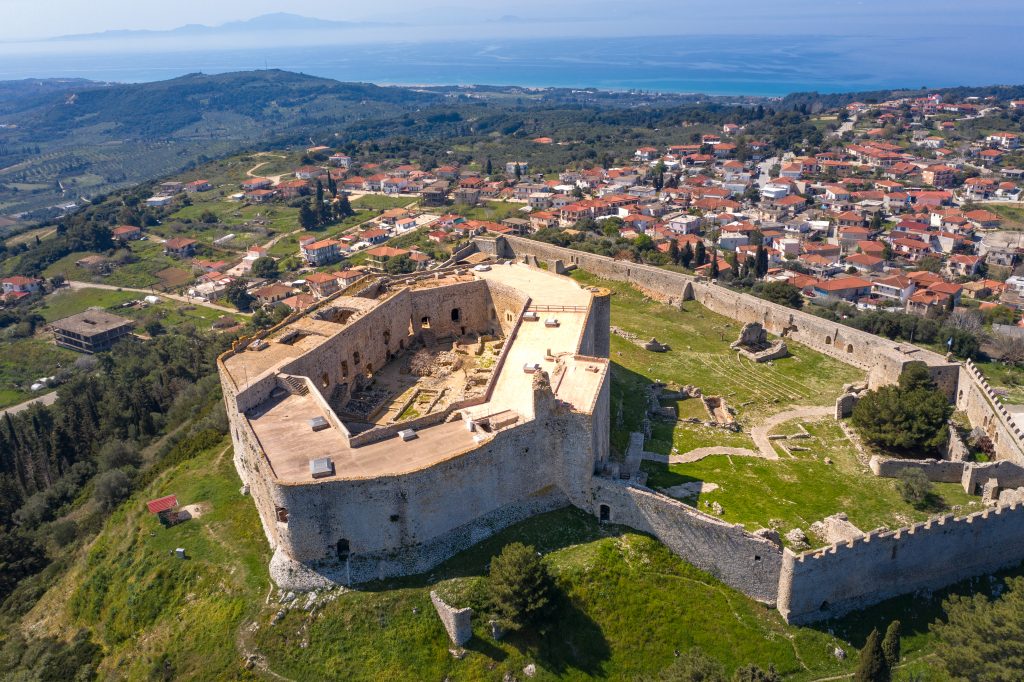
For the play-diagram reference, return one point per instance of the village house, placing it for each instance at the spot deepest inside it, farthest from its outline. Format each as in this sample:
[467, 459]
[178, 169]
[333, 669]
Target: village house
[124, 233]
[198, 186]
[272, 293]
[19, 286]
[845, 288]
[180, 247]
[319, 252]
[257, 183]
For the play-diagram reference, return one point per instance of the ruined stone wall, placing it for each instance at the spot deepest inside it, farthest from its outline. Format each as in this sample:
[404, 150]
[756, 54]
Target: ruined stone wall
[976, 475]
[884, 359]
[469, 302]
[508, 304]
[848, 576]
[977, 398]
[381, 514]
[596, 337]
[939, 471]
[358, 347]
[743, 561]
[256, 472]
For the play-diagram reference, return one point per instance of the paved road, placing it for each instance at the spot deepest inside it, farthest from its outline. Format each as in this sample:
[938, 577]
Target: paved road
[845, 127]
[48, 399]
[75, 285]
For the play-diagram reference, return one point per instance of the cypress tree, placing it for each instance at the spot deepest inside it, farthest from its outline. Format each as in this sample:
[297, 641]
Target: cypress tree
[490, 168]
[714, 264]
[872, 666]
[891, 644]
[761, 261]
[686, 256]
[701, 254]
[673, 251]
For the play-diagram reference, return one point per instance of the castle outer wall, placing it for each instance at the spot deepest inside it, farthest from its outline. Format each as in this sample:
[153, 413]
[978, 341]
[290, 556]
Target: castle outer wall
[816, 585]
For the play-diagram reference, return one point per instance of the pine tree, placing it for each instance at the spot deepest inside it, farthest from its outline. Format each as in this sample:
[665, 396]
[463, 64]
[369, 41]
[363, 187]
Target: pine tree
[307, 217]
[520, 587]
[891, 644]
[344, 207]
[872, 666]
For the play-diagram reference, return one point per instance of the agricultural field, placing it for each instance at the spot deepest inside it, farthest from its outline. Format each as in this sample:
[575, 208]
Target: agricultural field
[169, 313]
[65, 302]
[22, 361]
[382, 202]
[1012, 215]
[493, 211]
[625, 605]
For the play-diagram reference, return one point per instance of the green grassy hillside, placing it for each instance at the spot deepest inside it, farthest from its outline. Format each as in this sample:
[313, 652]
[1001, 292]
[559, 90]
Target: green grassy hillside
[626, 605]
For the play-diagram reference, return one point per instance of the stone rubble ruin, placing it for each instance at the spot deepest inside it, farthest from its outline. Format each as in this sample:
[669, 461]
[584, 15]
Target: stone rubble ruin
[753, 344]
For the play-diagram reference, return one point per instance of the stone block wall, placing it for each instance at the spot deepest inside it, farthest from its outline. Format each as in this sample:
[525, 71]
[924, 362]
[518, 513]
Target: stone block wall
[882, 358]
[977, 398]
[457, 622]
[939, 471]
[828, 583]
[976, 475]
[745, 562]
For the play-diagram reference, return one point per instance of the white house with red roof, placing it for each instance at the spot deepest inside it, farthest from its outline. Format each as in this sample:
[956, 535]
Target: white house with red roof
[19, 286]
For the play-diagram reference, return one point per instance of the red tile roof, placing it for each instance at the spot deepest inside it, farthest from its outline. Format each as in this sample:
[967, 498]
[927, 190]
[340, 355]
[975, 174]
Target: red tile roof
[162, 504]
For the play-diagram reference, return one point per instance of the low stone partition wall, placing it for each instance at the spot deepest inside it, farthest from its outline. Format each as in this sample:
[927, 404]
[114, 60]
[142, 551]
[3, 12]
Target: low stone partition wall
[742, 560]
[844, 577]
[937, 470]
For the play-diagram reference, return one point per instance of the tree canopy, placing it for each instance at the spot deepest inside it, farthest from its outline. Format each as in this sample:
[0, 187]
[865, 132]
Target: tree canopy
[910, 417]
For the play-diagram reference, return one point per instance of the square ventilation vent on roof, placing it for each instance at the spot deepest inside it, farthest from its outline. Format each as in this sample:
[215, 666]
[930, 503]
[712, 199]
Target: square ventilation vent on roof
[319, 468]
[319, 424]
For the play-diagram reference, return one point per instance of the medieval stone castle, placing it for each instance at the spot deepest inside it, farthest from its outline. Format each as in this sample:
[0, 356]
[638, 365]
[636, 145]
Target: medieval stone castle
[405, 419]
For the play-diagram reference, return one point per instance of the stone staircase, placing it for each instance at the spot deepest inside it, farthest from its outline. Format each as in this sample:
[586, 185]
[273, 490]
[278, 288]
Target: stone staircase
[294, 385]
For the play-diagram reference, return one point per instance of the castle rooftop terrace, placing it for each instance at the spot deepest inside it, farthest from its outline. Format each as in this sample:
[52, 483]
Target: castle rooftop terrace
[282, 425]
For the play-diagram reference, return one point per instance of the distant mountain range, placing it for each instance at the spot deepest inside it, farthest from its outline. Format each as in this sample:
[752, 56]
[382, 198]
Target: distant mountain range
[278, 21]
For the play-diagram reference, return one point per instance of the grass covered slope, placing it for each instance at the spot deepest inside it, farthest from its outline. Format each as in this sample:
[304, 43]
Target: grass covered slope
[701, 356]
[625, 604]
[153, 613]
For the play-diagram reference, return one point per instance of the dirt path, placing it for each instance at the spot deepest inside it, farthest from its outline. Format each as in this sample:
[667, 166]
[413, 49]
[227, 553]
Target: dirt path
[252, 172]
[76, 285]
[48, 399]
[759, 434]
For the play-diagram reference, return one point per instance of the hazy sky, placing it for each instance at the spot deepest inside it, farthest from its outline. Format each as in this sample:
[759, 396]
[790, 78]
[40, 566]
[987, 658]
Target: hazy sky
[31, 19]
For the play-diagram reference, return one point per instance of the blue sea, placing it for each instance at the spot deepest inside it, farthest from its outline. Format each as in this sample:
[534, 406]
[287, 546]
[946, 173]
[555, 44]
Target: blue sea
[711, 64]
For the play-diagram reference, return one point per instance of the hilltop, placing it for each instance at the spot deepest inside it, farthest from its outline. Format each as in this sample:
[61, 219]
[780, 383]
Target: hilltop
[65, 139]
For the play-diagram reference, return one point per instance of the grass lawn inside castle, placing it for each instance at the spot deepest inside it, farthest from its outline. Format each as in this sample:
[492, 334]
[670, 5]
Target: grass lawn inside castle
[793, 491]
